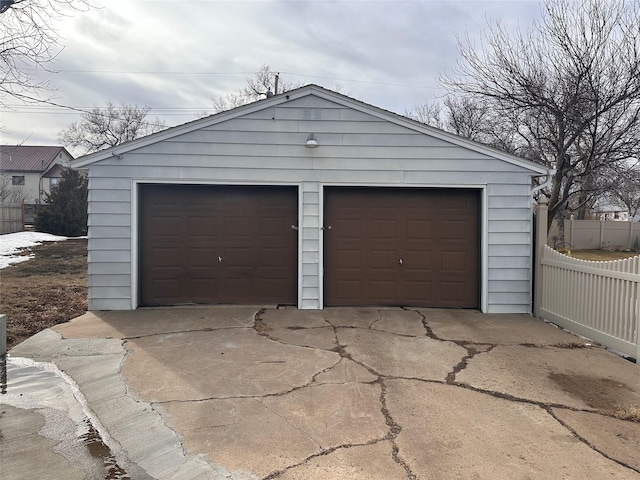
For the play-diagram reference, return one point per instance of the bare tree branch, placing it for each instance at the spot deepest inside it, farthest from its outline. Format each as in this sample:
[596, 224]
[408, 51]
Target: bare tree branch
[566, 94]
[29, 42]
[108, 127]
[260, 85]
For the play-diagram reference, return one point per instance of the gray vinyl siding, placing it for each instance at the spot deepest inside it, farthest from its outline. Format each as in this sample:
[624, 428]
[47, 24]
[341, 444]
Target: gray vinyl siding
[267, 147]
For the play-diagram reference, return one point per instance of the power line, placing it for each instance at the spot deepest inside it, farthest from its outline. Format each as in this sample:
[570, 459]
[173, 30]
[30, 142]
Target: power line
[165, 72]
[73, 110]
[93, 111]
[148, 72]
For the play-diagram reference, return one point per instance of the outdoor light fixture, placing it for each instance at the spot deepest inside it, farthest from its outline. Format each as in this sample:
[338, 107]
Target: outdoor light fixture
[6, 5]
[311, 141]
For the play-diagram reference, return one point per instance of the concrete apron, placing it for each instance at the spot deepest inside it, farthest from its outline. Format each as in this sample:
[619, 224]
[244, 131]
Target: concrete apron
[265, 393]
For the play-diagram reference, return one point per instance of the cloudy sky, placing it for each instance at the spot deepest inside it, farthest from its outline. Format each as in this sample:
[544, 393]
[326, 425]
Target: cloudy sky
[175, 55]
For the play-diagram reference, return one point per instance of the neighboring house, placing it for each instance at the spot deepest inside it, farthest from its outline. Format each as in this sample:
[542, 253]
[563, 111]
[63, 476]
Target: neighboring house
[609, 212]
[314, 199]
[33, 170]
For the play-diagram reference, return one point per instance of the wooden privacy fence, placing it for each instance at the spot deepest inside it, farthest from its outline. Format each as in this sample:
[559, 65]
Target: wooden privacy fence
[11, 218]
[599, 300]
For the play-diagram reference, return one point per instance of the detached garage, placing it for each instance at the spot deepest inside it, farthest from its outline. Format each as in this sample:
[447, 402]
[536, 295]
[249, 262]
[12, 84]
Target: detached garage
[312, 199]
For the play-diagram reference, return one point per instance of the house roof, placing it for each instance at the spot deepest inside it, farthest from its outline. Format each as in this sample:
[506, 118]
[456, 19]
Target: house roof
[301, 92]
[55, 171]
[28, 158]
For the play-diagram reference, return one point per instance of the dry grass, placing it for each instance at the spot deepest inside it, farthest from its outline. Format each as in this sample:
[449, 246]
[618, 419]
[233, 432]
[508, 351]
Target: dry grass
[571, 345]
[630, 413]
[600, 255]
[50, 288]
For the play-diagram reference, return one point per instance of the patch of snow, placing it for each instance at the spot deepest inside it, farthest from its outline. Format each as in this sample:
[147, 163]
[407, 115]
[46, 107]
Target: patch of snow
[12, 245]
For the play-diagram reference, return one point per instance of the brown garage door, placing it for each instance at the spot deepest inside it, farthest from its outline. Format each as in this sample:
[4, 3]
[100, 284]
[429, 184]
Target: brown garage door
[218, 244]
[401, 246]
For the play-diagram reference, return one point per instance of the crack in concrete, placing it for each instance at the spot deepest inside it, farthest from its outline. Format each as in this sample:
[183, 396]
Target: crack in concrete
[395, 429]
[291, 424]
[471, 352]
[173, 332]
[547, 407]
[321, 453]
[587, 442]
[376, 321]
[425, 325]
[468, 346]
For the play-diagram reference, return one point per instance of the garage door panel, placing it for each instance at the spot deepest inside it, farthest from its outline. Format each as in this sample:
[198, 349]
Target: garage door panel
[434, 231]
[203, 256]
[348, 229]
[453, 263]
[349, 258]
[168, 225]
[416, 289]
[386, 257]
[169, 287]
[453, 228]
[419, 229]
[245, 227]
[416, 257]
[383, 229]
[453, 295]
[273, 257]
[383, 289]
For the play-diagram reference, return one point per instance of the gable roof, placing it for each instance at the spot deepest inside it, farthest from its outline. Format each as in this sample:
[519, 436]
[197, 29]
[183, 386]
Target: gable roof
[55, 171]
[28, 158]
[307, 90]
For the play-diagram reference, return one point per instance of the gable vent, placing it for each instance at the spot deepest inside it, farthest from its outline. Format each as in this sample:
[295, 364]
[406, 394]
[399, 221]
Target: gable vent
[312, 114]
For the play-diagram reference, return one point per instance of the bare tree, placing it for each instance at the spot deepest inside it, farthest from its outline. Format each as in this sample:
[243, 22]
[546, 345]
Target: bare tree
[468, 117]
[569, 92]
[10, 194]
[29, 42]
[430, 113]
[108, 127]
[261, 85]
[626, 191]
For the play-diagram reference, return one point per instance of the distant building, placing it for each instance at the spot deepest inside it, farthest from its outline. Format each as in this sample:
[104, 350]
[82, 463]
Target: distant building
[33, 170]
[608, 211]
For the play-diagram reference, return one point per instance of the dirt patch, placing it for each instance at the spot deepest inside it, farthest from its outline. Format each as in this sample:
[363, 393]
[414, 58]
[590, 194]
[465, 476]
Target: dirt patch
[48, 289]
[601, 255]
[631, 413]
[571, 345]
[604, 394]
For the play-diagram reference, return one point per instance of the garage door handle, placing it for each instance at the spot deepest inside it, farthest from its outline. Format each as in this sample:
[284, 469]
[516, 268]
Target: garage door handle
[400, 262]
[294, 227]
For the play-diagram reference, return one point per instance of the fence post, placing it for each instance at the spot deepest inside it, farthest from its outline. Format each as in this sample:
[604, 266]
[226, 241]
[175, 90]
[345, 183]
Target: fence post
[570, 243]
[541, 241]
[3, 335]
[637, 315]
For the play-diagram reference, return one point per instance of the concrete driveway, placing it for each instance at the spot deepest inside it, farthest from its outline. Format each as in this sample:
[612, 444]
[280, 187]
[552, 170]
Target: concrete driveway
[266, 393]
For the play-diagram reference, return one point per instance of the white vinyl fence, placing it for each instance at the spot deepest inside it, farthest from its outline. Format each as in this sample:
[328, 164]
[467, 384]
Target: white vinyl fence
[599, 300]
[601, 234]
[596, 299]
